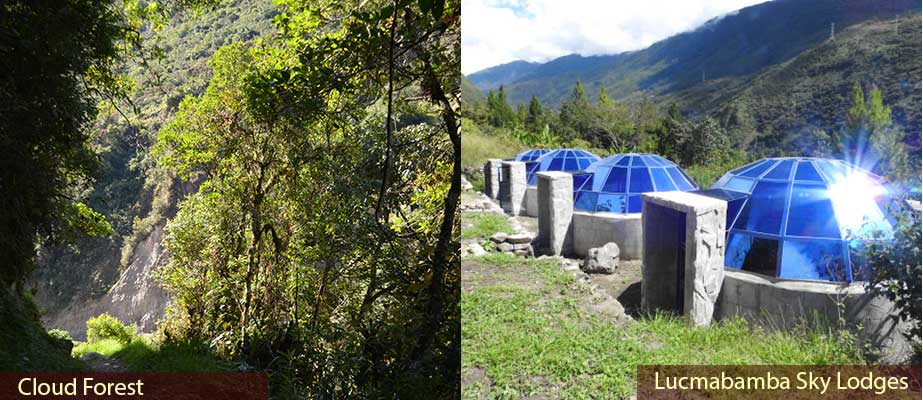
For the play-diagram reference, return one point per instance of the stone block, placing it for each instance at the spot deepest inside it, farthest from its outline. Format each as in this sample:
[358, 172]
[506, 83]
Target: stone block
[555, 212]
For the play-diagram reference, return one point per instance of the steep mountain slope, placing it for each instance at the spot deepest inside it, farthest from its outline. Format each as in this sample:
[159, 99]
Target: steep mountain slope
[733, 46]
[113, 274]
[469, 92]
[495, 76]
[811, 90]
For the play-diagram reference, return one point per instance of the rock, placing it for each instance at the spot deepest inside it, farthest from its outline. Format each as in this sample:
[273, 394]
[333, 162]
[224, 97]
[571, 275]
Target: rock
[505, 247]
[465, 185]
[499, 237]
[519, 238]
[603, 260]
[476, 250]
[521, 246]
[611, 308]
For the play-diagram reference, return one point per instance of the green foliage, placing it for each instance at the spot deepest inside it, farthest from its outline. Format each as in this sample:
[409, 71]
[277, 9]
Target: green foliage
[321, 242]
[24, 344]
[895, 270]
[145, 354]
[105, 326]
[60, 334]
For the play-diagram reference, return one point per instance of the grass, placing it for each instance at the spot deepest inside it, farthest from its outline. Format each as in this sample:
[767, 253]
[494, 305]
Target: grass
[483, 225]
[145, 354]
[543, 340]
[478, 147]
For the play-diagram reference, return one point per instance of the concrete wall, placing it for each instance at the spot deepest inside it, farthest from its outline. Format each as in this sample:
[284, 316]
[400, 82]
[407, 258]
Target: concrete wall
[782, 304]
[530, 201]
[595, 229]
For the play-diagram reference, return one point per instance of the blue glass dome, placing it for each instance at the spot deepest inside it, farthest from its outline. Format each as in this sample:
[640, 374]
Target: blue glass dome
[531, 155]
[526, 157]
[803, 218]
[568, 160]
[615, 183]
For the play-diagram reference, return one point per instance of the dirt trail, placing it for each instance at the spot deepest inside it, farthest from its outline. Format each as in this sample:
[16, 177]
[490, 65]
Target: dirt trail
[100, 363]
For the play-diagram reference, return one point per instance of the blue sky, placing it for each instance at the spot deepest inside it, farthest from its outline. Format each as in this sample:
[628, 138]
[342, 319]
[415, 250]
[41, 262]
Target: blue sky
[499, 31]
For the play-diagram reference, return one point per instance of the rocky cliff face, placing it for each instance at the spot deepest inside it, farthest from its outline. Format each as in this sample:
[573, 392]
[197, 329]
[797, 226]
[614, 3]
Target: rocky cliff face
[135, 298]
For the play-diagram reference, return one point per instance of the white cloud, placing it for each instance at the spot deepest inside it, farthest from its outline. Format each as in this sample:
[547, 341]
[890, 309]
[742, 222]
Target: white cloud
[500, 31]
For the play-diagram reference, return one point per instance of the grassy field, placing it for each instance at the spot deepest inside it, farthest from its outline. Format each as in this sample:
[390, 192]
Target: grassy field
[530, 330]
[484, 225]
[478, 147]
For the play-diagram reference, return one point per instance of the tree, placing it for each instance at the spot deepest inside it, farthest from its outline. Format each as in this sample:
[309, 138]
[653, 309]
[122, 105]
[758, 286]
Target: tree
[324, 234]
[575, 115]
[61, 59]
[500, 114]
[872, 137]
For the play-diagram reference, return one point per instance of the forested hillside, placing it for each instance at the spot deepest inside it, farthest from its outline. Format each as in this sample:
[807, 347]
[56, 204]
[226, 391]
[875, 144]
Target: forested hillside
[132, 193]
[286, 173]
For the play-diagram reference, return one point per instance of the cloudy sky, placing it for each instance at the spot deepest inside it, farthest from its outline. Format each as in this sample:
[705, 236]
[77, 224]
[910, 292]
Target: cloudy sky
[499, 31]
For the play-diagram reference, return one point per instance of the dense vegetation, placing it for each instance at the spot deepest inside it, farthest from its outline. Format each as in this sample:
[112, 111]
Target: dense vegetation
[130, 189]
[314, 174]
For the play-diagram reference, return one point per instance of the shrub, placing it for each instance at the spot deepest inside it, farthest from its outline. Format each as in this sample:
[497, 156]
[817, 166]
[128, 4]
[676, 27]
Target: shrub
[105, 326]
[60, 334]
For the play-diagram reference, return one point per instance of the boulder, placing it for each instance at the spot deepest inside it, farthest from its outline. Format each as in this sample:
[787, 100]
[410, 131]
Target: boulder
[505, 247]
[604, 260]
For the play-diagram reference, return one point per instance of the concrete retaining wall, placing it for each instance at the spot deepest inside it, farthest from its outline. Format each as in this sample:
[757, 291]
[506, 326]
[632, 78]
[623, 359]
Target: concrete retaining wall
[530, 201]
[595, 229]
[782, 304]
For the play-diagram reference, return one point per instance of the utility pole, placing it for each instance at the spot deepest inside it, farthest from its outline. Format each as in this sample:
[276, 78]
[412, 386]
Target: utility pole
[832, 29]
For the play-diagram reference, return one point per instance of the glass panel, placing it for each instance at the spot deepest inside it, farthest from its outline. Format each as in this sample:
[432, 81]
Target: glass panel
[586, 201]
[682, 182]
[782, 171]
[740, 184]
[616, 181]
[531, 179]
[744, 168]
[734, 207]
[723, 181]
[758, 169]
[568, 154]
[610, 202]
[752, 254]
[639, 161]
[813, 259]
[570, 165]
[581, 180]
[806, 172]
[661, 181]
[583, 163]
[640, 181]
[624, 161]
[634, 203]
[763, 212]
[830, 172]
[556, 164]
[811, 213]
